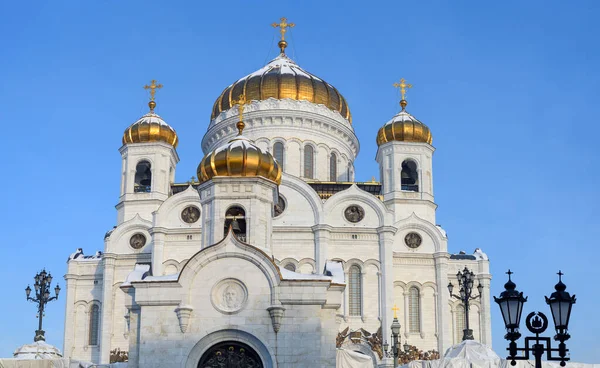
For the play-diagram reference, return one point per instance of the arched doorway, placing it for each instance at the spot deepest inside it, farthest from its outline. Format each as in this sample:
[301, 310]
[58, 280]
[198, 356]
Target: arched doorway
[230, 354]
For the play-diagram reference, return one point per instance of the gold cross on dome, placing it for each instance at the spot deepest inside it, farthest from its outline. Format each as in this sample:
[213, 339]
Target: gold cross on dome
[403, 86]
[241, 102]
[283, 25]
[395, 309]
[153, 87]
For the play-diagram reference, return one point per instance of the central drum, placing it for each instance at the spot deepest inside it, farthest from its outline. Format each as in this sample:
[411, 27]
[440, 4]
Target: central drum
[230, 354]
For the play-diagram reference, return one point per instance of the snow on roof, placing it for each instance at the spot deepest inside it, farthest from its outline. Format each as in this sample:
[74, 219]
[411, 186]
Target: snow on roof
[291, 275]
[140, 271]
[172, 277]
[336, 271]
[79, 256]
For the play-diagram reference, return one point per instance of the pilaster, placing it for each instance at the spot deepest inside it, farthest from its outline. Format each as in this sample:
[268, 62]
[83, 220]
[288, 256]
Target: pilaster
[441, 278]
[108, 265]
[158, 244]
[71, 290]
[322, 235]
[386, 243]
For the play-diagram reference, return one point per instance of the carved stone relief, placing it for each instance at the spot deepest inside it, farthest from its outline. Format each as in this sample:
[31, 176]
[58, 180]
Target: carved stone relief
[354, 213]
[137, 241]
[229, 296]
[413, 240]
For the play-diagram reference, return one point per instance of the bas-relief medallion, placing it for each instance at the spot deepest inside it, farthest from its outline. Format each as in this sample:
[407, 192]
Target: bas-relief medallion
[190, 214]
[137, 241]
[279, 207]
[413, 240]
[354, 213]
[229, 296]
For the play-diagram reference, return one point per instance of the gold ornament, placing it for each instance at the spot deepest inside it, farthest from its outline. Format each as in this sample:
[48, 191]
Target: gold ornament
[283, 25]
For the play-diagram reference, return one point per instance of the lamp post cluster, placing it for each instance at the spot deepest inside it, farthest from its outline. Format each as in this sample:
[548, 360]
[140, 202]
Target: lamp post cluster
[395, 353]
[41, 297]
[466, 280]
[511, 305]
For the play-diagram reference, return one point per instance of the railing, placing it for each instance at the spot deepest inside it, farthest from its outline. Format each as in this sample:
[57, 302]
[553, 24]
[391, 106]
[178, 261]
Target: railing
[410, 187]
[141, 188]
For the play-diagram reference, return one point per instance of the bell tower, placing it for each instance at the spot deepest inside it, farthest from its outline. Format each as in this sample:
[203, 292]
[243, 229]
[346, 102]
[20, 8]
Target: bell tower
[238, 189]
[405, 163]
[148, 161]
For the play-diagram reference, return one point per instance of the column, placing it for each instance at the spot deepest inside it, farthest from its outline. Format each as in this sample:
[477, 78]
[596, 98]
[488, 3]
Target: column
[441, 279]
[108, 265]
[386, 242]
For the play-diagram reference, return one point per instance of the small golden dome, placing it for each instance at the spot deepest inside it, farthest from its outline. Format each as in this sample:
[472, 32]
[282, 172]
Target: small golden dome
[404, 128]
[241, 158]
[150, 128]
[282, 78]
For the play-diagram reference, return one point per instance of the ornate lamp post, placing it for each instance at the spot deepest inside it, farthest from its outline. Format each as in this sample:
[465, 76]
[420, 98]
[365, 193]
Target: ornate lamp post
[41, 297]
[465, 282]
[395, 339]
[511, 305]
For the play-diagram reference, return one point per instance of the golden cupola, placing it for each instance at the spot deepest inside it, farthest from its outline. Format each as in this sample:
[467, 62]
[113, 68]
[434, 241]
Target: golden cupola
[151, 127]
[282, 79]
[404, 127]
[240, 157]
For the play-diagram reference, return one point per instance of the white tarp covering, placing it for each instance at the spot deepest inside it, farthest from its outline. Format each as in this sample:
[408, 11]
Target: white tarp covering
[351, 359]
[42, 363]
[472, 354]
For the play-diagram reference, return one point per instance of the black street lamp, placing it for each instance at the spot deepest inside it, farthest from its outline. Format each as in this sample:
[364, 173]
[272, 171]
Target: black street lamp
[511, 305]
[42, 297]
[395, 337]
[466, 279]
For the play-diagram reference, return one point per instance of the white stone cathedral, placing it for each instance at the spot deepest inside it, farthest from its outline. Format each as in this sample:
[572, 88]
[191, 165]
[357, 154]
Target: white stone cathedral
[275, 256]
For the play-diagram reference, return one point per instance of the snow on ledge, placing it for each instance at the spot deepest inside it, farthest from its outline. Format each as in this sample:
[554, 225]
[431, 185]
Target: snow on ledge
[139, 272]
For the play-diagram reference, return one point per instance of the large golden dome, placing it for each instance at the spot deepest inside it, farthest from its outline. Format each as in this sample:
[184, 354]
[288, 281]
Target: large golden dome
[239, 157]
[405, 128]
[150, 128]
[282, 78]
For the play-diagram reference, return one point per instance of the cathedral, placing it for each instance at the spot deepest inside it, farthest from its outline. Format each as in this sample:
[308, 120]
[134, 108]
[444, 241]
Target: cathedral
[274, 256]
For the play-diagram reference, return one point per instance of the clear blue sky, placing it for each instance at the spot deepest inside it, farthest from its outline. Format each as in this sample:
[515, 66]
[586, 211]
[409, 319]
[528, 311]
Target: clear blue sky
[509, 89]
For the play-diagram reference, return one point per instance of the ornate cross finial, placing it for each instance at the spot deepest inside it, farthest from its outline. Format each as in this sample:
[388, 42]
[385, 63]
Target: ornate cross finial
[193, 179]
[283, 25]
[560, 274]
[509, 273]
[241, 102]
[403, 86]
[152, 87]
[395, 309]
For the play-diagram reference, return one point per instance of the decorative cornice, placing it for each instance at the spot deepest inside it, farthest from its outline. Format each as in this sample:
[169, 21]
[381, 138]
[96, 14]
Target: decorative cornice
[290, 113]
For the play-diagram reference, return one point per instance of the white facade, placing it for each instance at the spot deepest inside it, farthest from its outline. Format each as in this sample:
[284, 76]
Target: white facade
[172, 284]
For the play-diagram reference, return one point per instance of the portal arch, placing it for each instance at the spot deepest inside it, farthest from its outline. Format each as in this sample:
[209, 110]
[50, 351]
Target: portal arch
[230, 335]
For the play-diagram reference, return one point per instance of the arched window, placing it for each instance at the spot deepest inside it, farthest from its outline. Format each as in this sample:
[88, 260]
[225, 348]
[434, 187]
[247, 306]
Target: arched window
[236, 217]
[290, 267]
[460, 323]
[143, 177]
[409, 176]
[355, 283]
[309, 161]
[414, 310]
[333, 167]
[349, 172]
[278, 153]
[94, 324]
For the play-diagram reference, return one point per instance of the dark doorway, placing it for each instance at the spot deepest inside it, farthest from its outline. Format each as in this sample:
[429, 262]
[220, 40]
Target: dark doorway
[230, 354]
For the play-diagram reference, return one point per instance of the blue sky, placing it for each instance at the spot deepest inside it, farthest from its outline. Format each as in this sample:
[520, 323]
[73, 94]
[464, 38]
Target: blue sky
[509, 90]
